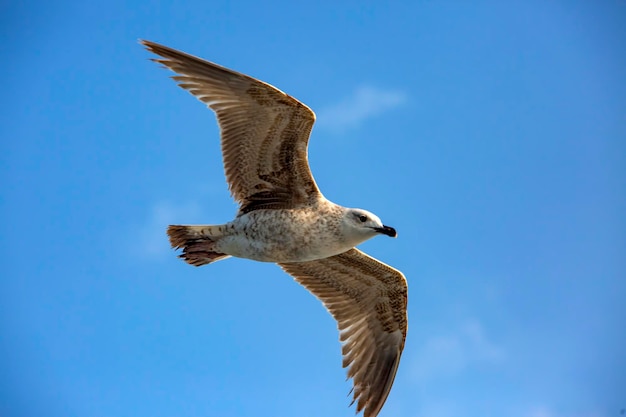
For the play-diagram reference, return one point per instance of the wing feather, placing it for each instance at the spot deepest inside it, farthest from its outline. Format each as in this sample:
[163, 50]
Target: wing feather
[369, 301]
[264, 132]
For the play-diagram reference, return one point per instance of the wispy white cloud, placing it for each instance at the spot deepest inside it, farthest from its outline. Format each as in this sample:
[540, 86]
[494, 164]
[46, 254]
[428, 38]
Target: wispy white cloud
[540, 412]
[447, 408]
[151, 240]
[364, 103]
[449, 354]
[545, 411]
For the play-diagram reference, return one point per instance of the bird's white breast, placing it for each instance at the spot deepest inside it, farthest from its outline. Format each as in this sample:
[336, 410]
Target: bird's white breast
[296, 235]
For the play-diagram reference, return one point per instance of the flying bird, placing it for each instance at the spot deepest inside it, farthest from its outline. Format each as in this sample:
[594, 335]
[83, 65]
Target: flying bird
[284, 218]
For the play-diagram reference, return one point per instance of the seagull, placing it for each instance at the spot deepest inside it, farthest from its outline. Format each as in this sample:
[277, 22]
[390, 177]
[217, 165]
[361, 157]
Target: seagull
[284, 218]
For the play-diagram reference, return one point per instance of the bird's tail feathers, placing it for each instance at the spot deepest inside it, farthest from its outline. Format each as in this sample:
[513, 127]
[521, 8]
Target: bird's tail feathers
[197, 243]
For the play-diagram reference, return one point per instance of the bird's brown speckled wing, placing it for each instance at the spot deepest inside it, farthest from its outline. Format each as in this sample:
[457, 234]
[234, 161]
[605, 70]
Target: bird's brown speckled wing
[264, 131]
[369, 301]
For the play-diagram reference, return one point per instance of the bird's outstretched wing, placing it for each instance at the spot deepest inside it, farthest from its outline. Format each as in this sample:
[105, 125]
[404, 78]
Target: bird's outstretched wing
[264, 131]
[369, 301]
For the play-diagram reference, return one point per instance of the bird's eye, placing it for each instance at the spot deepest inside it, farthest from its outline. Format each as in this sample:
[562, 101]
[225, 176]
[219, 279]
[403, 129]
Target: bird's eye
[363, 218]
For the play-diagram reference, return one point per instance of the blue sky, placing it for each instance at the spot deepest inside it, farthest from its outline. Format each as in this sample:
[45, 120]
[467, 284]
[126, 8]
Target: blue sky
[492, 136]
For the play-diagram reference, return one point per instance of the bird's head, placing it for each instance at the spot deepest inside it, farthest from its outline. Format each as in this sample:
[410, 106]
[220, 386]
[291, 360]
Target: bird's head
[360, 225]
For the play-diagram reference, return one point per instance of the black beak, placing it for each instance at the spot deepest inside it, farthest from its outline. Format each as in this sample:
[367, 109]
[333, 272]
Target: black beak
[386, 230]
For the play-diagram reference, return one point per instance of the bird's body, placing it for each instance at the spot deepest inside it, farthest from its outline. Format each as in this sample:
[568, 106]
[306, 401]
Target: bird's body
[284, 218]
[248, 236]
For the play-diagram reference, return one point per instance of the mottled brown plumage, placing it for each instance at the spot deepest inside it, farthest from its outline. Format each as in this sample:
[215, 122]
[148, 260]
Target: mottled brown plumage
[369, 300]
[264, 131]
[284, 218]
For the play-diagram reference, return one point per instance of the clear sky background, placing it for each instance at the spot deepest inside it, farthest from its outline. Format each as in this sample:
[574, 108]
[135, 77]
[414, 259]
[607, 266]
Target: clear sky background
[491, 135]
